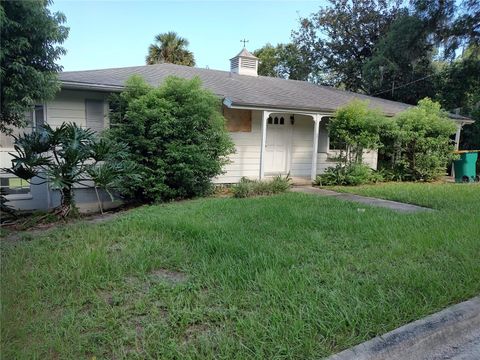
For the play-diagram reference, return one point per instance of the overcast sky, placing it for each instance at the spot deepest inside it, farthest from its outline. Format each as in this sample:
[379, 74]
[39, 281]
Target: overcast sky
[107, 34]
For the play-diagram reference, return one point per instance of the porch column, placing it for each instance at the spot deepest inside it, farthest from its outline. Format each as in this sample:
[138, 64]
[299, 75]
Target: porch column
[265, 115]
[457, 143]
[457, 135]
[316, 119]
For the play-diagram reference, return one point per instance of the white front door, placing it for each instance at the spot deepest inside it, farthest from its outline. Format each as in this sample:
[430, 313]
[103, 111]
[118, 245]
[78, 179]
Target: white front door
[276, 145]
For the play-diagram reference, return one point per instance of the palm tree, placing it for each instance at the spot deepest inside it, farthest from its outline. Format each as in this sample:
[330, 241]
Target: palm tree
[170, 48]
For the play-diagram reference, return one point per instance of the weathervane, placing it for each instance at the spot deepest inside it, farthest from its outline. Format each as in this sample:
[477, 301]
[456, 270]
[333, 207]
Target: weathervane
[244, 42]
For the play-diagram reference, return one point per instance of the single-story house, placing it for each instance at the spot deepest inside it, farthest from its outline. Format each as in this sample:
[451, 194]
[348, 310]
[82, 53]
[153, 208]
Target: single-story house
[278, 126]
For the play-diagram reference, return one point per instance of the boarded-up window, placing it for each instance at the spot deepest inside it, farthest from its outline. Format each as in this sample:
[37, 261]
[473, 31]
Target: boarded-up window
[95, 115]
[238, 120]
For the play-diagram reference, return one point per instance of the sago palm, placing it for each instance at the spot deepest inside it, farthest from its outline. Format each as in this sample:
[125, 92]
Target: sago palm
[67, 156]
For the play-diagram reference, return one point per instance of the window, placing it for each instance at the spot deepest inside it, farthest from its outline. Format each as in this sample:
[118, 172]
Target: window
[38, 118]
[276, 120]
[95, 115]
[35, 122]
[14, 185]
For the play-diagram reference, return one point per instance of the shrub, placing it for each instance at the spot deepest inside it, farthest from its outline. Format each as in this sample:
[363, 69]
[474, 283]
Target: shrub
[246, 188]
[420, 145]
[350, 174]
[176, 135]
[359, 128]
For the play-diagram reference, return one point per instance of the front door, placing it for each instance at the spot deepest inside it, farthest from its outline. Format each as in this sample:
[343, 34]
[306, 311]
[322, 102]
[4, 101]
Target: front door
[276, 145]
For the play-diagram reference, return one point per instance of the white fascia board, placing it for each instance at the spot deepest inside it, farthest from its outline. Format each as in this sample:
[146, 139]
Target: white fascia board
[87, 86]
[229, 104]
[462, 122]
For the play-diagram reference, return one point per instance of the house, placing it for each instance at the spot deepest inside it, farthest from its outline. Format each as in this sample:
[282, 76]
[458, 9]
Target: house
[278, 126]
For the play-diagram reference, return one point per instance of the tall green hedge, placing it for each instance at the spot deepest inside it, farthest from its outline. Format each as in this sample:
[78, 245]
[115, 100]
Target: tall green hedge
[415, 145]
[419, 147]
[176, 135]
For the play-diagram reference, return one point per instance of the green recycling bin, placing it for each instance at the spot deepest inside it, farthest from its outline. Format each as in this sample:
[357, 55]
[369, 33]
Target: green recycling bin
[465, 167]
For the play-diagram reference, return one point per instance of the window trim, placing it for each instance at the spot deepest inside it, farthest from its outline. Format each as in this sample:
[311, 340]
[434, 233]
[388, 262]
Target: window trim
[22, 195]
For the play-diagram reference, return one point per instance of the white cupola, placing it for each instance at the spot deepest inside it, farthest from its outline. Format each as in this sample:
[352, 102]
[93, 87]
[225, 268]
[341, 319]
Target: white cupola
[244, 63]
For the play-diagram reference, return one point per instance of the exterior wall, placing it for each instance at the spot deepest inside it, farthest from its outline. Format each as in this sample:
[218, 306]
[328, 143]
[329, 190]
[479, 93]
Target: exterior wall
[245, 162]
[68, 106]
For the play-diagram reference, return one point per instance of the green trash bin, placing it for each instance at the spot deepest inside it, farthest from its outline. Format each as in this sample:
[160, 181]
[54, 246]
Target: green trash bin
[465, 167]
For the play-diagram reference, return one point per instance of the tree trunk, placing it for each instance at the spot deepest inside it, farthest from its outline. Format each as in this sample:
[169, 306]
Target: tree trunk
[67, 205]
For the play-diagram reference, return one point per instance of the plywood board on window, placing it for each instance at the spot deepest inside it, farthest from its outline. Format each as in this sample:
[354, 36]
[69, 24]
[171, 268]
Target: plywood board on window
[238, 120]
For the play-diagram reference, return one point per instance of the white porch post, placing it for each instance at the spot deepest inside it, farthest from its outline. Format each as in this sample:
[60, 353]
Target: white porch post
[265, 115]
[316, 119]
[457, 143]
[457, 136]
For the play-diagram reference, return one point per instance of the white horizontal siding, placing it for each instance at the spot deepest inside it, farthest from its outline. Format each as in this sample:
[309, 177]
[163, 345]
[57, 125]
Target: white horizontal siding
[245, 162]
[302, 146]
[69, 106]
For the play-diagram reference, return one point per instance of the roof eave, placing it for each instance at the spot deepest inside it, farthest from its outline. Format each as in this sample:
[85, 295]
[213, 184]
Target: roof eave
[73, 85]
[239, 105]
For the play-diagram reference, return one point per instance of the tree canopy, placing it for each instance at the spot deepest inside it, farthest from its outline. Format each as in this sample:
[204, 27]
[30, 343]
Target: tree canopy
[341, 37]
[170, 48]
[29, 48]
[403, 51]
[402, 56]
[284, 60]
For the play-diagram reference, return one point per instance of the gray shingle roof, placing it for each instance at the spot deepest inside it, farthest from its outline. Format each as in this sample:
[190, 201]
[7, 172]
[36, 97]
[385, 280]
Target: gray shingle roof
[245, 53]
[261, 91]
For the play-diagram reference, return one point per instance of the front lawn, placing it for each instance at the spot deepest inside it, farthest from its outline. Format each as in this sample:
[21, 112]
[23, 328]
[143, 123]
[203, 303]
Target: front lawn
[282, 277]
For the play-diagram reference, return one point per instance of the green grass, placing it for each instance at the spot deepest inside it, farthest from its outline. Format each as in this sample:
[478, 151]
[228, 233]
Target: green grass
[292, 276]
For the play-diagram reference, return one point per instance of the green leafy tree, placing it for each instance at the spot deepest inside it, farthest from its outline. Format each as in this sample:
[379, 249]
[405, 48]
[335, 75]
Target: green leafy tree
[451, 24]
[420, 145]
[29, 48]
[176, 135]
[341, 37]
[69, 155]
[401, 67]
[268, 59]
[458, 89]
[170, 48]
[284, 60]
[359, 128]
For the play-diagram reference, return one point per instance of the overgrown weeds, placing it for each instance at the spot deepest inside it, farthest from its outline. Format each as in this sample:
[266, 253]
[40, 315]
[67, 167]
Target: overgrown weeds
[247, 188]
[349, 174]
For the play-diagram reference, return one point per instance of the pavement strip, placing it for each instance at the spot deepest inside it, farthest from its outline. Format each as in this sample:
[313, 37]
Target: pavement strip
[389, 204]
[451, 334]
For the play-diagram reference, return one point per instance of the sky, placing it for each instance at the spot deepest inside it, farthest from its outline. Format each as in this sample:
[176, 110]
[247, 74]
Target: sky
[106, 34]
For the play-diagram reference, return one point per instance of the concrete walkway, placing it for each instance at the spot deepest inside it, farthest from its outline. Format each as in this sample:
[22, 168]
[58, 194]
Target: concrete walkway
[451, 334]
[392, 205]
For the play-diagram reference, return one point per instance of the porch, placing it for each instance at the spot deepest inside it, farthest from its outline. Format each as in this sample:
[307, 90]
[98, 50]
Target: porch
[280, 142]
